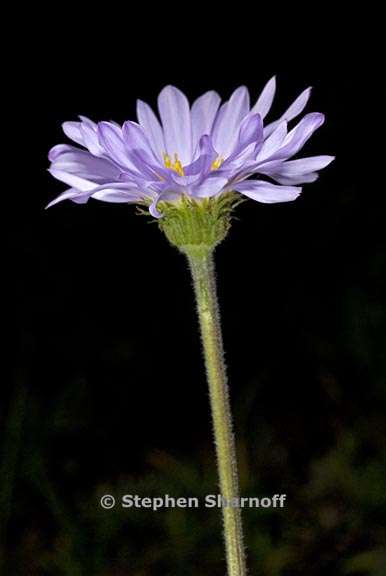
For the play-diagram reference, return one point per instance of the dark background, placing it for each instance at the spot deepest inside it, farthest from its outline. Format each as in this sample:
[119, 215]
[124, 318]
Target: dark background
[104, 388]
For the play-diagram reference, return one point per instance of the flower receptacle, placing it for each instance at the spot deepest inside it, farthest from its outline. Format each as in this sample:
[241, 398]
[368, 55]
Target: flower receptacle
[197, 225]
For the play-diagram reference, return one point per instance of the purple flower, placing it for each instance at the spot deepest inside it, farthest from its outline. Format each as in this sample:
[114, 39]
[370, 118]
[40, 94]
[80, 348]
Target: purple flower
[200, 151]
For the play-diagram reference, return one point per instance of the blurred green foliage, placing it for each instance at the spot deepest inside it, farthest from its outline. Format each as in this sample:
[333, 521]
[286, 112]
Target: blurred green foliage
[333, 522]
[334, 519]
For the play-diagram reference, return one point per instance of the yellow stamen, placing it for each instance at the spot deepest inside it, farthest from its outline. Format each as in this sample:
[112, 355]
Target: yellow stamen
[217, 163]
[168, 162]
[176, 165]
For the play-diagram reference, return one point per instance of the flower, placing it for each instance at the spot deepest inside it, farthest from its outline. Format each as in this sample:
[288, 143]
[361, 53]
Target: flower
[202, 151]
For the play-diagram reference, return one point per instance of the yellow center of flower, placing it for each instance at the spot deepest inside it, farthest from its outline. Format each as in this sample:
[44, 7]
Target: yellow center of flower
[179, 169]
[176, 165]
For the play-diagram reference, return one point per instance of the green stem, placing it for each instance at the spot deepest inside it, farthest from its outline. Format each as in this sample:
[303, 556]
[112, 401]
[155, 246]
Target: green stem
[202, 268]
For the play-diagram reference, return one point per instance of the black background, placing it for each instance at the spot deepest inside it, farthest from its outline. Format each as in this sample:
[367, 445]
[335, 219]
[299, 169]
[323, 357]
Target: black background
[100, 302]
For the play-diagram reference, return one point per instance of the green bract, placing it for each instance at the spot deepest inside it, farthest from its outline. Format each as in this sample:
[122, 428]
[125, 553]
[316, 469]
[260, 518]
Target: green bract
[197, 224]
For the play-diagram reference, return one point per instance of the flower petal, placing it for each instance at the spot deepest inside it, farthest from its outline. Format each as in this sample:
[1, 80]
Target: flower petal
[298, 136]
[249, 141]
[203, 113]
[89, 132]
[298, 105]
[295, 180]
[109, 192]
[207, 155]
[251, 131]
[72, 130]
[141, 154]
[175, 115]
[117, 196]
[85, 165]
[266, 192]
[298, 171]
[227, 125]
[69, 194]
[294, 110]
[59, 149]
[304, 165]
[273, 142]
[149, 121]
[210, 187]
[86, 121]
[111, 139]
[264, 102]
[135, 139]
[72, 180]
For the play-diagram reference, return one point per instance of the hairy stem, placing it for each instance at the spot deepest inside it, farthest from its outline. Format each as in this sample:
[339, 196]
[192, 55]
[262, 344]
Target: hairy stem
[202, 268]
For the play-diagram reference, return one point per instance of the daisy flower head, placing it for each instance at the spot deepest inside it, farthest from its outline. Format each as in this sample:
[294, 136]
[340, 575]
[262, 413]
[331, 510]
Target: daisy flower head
[208, 150]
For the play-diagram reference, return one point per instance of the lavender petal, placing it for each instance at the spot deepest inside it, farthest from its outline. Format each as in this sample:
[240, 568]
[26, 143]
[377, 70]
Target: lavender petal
[176, 123]
[149, 122]
[264, 102]
[266, 192]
